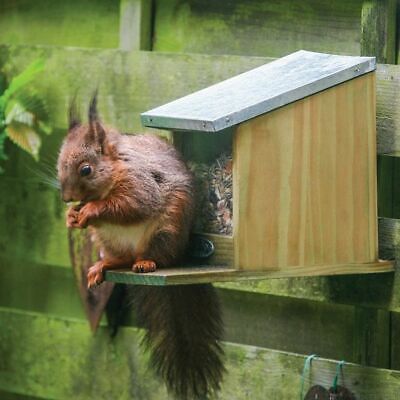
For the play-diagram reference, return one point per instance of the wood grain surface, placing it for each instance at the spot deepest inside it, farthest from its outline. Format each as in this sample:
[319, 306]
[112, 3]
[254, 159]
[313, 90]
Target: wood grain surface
[305, 182]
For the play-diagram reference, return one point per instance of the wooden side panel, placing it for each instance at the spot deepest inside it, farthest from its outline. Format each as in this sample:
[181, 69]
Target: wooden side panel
[305, 181]
[369, 119]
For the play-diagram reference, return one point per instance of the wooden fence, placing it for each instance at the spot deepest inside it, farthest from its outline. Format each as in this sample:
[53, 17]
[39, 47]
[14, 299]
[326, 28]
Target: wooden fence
[46, 348]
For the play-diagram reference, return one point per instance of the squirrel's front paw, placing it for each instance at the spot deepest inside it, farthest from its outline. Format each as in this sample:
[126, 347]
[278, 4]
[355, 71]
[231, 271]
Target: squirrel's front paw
[95, 275]
[72, 217]
[144, 266]
[86, 215]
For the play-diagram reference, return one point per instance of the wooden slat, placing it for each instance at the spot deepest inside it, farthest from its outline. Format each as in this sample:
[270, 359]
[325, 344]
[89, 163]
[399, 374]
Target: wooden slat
[388, 185]
[276, 28]
[388, 108]
[32, 220]
[15, 396]
[60, 24]
[371, 340]
[51, 289]
[257, 27]
[378, 30]
[44, 356]
[395, 345]
[389, 238]
[357, 334]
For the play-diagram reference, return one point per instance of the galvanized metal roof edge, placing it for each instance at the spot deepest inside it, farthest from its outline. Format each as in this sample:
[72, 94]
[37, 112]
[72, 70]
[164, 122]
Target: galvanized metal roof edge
[153, 118]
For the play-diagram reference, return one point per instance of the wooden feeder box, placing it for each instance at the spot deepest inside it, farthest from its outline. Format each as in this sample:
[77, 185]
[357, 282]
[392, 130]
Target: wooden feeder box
[301, 131]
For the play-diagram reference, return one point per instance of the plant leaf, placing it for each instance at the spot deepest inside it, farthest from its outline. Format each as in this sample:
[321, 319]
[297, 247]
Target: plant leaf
[25, 137]
[18, 113]
[45, 128]
[22, 79]
[32, 101]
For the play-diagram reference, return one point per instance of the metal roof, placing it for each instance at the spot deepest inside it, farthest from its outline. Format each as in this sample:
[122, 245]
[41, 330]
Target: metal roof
[257, 91]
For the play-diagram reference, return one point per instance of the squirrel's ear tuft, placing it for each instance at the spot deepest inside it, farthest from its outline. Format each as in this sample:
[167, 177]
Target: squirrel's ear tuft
[74, 118]
[93, 115]
[96, 129]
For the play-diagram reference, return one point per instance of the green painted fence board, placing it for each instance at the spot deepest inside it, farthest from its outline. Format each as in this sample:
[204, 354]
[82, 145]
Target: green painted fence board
[256, 27]
[389, 186]
[15, 396]
[388, 108]
[290, 324]
[31, 286]
[395, 343]
[303, 326]
[378, 30]
[32, 222]
[70, 23]
[59, 358]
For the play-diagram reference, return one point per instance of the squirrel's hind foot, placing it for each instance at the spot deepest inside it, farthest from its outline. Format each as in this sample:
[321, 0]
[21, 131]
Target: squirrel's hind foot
[144, 266]
[95, 275]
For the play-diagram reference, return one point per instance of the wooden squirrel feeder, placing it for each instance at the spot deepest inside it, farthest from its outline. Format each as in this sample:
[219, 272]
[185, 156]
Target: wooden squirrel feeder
[302, 135]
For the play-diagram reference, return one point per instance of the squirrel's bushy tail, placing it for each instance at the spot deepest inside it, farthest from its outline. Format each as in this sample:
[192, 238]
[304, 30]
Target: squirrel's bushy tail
[183, 331]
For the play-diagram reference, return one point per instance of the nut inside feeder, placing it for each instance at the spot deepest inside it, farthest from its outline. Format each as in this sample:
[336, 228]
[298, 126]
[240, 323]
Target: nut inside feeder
[214, 195]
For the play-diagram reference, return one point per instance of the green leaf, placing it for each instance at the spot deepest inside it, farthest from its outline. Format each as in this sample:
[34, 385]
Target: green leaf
[32, 102]
[18, 113]
[25, 137]
[45, 128]
[22, 79]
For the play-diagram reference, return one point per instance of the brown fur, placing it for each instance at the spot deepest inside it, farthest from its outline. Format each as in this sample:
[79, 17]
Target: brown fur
[134, 179]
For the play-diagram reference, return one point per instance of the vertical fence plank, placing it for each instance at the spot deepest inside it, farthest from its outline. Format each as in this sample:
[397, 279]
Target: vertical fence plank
[135, 28]
[378, 30]
[371, 341]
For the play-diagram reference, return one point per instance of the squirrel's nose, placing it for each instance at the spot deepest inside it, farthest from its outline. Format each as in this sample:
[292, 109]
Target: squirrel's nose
[66, 197]
[65, 193]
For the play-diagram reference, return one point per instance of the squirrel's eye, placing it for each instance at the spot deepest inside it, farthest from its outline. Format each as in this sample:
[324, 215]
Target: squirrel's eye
[85, 170]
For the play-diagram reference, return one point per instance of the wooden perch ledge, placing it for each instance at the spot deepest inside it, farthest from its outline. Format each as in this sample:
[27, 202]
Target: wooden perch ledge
[207, 274]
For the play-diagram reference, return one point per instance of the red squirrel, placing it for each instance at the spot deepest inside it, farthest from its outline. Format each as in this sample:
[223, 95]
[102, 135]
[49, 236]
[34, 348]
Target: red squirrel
[136, 195]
